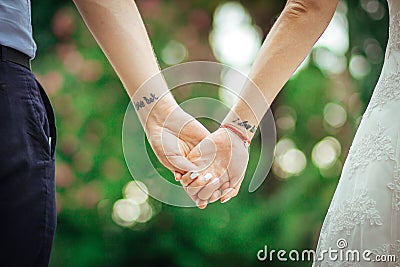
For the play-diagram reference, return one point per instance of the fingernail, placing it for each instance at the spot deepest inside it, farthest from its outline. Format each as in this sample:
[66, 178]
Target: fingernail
[225, 200]
[194, 175]
[215, 181]
[176, 178]
[207, 177]
[197, 202]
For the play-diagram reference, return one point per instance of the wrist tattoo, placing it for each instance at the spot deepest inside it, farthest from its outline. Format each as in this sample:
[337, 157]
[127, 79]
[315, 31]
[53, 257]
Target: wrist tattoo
[146, 101]
[246, 125]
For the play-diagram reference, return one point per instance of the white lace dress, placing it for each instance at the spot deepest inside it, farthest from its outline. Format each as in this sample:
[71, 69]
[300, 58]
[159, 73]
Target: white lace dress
[365, 211]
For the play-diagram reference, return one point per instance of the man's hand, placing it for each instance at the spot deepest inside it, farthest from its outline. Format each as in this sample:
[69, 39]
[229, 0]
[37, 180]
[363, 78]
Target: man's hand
[222, 159]
[172, 133]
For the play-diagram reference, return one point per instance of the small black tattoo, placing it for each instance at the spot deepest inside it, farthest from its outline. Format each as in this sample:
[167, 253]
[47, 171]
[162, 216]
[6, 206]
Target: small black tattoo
[246, 125]
[147, 101]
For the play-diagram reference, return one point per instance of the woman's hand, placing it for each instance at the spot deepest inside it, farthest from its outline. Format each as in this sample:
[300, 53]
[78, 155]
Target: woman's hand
[221, 159]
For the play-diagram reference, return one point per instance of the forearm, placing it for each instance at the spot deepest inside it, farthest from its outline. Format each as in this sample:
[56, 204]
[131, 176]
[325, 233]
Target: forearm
[286, 46]
[119, 30]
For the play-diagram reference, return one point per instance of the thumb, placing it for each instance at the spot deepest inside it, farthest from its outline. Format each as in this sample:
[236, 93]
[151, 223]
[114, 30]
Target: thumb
[181, 165]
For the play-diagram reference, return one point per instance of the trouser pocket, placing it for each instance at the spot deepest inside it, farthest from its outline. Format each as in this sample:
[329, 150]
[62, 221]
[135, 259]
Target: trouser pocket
[51, 120]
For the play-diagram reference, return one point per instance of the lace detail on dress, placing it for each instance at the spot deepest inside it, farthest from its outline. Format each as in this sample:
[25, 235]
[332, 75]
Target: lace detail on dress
[389, 249]
[352, 212]
[366, 209]
[373, 147]
[394, 33]
[336, 264]
[386, 91]
[395, 187]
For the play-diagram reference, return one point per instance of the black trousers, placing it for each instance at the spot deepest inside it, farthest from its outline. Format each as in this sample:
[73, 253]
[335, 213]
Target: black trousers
[27, 177]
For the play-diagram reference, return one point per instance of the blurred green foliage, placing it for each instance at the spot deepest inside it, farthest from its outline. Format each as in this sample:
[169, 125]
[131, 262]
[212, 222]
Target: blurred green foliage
[90, 103]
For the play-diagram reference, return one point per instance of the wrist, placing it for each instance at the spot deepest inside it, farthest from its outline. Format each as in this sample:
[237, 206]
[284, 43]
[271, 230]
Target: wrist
[246, 126]
[154, 108]
[162, 108]
[246, 141]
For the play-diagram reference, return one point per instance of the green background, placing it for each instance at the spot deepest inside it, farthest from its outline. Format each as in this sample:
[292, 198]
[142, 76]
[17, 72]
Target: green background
[89, 101]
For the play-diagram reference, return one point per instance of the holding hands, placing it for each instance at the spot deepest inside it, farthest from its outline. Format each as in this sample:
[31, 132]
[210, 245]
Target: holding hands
[221, 160]
[209, 166]
[172, 134]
